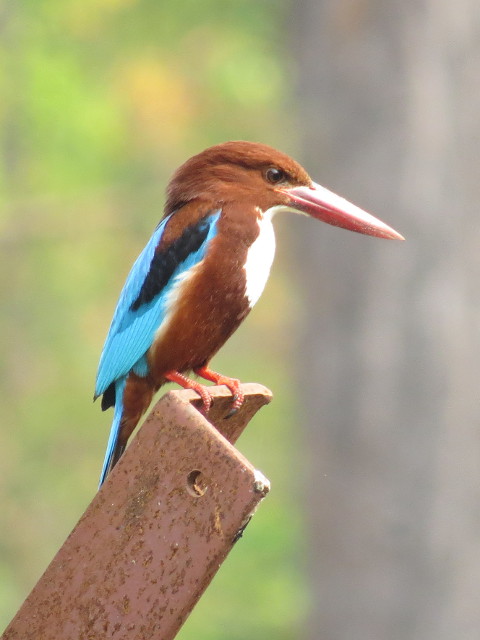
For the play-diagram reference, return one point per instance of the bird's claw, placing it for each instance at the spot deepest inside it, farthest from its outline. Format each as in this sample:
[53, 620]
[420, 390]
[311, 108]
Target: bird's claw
[231, 413]
[238, 399]
[187, 383]
[232, 383]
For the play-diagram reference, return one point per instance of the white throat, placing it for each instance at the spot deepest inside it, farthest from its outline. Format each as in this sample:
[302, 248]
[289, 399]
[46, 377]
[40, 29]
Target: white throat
[259, 258]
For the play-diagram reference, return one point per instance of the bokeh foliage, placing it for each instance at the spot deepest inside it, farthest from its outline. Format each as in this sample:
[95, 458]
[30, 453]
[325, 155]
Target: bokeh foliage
[101, 99]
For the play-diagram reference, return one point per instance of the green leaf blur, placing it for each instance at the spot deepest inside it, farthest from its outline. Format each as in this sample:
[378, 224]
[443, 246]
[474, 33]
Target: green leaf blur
[102, 99]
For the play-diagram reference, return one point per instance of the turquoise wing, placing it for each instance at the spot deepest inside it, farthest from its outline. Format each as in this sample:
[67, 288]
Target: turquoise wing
[144, 300]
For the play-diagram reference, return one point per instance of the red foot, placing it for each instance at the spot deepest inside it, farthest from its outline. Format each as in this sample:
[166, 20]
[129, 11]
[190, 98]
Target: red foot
[186, 383]
[232, 383]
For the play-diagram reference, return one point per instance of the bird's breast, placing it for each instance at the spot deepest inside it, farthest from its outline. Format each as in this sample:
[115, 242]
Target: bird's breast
[211, 299]
[259, 259]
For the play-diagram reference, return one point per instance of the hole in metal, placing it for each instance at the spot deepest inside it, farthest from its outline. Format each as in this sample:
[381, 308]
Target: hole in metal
[196, 485]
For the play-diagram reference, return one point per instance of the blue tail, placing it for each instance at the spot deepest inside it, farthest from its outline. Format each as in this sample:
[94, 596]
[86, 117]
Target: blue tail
[114, 448]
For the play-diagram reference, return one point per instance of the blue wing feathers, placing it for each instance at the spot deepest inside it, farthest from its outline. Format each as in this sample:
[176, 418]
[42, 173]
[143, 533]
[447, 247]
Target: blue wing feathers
[112, 445]
[118, 354]
[140, 309]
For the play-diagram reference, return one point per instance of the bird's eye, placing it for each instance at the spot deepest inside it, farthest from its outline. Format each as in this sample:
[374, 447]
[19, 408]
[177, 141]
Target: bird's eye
[275, 175]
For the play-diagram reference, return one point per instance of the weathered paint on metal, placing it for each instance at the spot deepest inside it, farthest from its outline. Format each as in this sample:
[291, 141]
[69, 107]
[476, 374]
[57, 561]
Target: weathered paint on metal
[156, 533]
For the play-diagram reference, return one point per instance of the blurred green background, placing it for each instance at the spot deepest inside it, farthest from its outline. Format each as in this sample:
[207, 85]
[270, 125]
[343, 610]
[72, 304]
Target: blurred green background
[101, 100]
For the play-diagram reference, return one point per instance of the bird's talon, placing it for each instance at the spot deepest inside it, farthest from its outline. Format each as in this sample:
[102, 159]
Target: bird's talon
[233, 411]
[238, 399]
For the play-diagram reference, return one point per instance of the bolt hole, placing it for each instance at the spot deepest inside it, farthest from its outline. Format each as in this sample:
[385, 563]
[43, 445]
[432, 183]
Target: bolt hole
[196, 485]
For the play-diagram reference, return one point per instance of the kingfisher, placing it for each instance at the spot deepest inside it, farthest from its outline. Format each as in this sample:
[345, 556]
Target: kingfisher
[203, 269]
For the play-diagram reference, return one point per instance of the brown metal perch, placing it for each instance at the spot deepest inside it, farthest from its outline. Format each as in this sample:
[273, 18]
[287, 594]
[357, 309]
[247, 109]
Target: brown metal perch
[151, 540]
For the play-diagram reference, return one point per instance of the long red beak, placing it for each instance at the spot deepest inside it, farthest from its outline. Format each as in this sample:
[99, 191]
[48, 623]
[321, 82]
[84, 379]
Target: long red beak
[327, 206]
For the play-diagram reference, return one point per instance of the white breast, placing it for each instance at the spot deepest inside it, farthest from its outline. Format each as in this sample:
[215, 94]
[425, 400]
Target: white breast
[260, 258]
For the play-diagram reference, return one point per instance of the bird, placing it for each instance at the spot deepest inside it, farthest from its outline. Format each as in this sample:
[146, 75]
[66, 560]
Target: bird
[201, 272]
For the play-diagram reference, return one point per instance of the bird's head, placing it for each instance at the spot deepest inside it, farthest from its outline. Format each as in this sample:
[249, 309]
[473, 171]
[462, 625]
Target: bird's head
[263, 178]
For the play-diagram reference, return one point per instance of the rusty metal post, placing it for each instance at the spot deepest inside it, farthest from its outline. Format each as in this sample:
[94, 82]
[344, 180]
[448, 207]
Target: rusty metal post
[154, 536]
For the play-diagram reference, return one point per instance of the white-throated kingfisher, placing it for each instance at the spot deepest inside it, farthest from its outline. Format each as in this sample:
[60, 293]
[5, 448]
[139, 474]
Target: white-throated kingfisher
[201, 272]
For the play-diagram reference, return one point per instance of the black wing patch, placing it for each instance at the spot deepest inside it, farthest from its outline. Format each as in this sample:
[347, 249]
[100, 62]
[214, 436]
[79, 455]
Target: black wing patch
[165, 262]
[108, 398]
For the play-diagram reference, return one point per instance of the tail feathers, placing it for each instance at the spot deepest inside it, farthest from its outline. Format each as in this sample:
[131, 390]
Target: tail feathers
[115, 448]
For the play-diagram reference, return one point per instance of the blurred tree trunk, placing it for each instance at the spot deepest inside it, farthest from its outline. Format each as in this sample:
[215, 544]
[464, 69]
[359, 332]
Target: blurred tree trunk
[390, 99]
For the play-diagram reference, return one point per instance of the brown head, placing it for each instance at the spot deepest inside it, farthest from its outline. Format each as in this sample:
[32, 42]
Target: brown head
[264, 178]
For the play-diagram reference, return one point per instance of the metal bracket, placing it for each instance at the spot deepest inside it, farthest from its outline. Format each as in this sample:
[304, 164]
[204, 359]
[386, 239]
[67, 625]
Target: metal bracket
[155, 534]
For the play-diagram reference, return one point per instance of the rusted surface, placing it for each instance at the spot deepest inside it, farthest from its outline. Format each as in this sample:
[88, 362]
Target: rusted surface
[154, 536]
